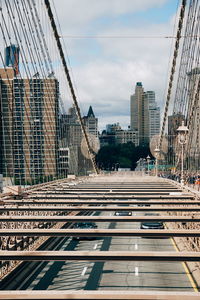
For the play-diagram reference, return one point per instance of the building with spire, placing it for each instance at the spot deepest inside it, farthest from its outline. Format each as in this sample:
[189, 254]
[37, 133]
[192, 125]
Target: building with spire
[91, 122]
[72, 137]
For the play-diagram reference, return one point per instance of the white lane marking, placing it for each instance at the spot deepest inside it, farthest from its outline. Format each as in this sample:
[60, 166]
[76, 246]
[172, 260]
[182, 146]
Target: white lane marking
[136, 271]
[95, 246]
[136, 246]
[84, 271]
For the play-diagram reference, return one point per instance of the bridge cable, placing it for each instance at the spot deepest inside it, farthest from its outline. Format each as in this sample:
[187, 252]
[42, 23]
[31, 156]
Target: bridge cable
[57, 37]
[178, 37]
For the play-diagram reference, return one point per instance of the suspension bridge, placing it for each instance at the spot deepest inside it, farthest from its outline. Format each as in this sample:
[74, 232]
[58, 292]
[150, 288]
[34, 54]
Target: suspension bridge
[66, 234]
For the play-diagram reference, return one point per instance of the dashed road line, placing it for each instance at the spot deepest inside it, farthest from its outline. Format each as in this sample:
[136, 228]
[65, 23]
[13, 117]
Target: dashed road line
[95, 246]
[84, 271]
[136, 271]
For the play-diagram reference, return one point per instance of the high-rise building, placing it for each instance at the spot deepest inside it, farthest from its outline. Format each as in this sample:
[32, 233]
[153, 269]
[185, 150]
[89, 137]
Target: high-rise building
[29, 127]
[71, 132]
[140, 114]
[154, 114]
[145, 114]
[12, 58]
[91, 122]
[71, 128]
[72, 137]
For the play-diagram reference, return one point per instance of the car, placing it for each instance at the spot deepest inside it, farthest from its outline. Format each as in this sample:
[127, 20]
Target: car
[84, 225]
[123, 213]
[152, 224]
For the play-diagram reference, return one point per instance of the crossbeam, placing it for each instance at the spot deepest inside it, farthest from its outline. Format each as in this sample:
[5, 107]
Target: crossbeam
[192, 218]
[99, 295]
[116, 185]
[71, 192]
[115, 190]
[109, 197]
[100, 232]
[97, 202]
[99, 256]
[97, 208]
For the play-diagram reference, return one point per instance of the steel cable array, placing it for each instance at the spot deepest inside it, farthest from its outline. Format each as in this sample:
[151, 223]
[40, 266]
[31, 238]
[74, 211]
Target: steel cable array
[186, 102]
[34, 124]
[178, 37]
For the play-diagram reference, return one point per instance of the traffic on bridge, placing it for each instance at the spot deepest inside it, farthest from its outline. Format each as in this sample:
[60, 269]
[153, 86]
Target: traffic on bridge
[104, 245]
[103, 204]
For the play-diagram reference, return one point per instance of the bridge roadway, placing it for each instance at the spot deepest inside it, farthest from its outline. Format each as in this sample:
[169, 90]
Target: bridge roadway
[109, 275]
[169, 276]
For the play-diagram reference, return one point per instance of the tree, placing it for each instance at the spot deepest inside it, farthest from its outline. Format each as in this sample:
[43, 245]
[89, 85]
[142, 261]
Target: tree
[123, 155]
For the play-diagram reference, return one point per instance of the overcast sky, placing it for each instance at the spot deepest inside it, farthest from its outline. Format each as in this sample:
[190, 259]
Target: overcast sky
[106, 65]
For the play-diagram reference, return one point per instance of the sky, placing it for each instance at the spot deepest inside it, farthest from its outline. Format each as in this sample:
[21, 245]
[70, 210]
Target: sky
[107, 59]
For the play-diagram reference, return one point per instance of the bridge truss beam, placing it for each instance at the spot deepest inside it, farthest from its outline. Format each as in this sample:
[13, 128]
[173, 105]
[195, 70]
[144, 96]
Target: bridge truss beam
[161, 218]
[99, 295]
[97, 208]
[89, 233]
[99, 256]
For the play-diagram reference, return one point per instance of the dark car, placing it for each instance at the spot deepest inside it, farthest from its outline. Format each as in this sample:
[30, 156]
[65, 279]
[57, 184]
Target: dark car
[123, 213]
[152, 224]
[84, 225]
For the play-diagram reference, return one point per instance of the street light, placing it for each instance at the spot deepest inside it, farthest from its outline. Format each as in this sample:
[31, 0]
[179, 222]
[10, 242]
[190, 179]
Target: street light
[148, 160]
[157, 152]
[182, 139]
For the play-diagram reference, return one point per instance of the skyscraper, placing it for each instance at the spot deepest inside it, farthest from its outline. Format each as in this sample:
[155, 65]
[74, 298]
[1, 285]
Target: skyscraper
[29, 124]
[12, 58]
[154, 114]
[145, 114]
[72, 137]
[140, 114]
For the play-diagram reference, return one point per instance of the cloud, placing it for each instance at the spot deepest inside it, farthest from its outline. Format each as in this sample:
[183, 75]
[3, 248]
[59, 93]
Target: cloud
[106, 70]
[76, 13]
[107, 86]
[108, 82]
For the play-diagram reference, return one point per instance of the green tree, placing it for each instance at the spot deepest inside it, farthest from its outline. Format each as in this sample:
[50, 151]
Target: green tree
[122, 155]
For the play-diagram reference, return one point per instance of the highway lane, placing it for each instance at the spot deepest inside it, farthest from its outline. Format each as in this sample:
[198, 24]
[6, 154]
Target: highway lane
[169, 276]
[65, 275]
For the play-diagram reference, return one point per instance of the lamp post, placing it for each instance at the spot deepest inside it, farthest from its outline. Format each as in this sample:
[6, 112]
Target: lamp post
[148, 160]
[157, 152]
[182, 139]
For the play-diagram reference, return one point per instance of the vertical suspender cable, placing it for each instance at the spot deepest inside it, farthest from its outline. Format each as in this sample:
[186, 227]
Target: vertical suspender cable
[57, 37]
[178, 36]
